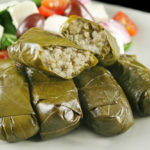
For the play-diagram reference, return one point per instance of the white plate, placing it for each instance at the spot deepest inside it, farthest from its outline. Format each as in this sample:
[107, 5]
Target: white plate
[136, 138]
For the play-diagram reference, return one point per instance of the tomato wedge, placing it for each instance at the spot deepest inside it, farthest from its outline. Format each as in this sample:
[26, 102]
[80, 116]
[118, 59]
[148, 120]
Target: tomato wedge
[46, 12]
[4, 55]
[58, 6]
[127, 22]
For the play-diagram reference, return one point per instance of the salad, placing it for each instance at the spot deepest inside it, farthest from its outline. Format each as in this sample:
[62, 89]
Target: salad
[16, 19]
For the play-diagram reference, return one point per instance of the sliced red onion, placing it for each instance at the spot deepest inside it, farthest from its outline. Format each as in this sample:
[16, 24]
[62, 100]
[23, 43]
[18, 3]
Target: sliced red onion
[75, 7]
[117, 28]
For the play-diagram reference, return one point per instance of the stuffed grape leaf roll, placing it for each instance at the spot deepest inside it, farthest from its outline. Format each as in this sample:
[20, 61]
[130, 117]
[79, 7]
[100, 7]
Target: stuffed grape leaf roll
[17, 118]
[105, 106]
[54, 54]
[56, 103]
[93, 37]
[135, 80]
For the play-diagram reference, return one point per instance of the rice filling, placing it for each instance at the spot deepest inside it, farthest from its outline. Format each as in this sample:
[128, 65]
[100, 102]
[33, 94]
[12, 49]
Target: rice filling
[87, 35]
[66, 61]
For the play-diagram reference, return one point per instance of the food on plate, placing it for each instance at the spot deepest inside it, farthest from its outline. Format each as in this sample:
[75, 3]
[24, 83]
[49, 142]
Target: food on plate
[34, 20]
[56, 103]
[54, 54]
[127, 22]
[75, 7]
[20, 11]
[93, 37]
[17, 118]
[135, 80]
[53, 23]
[105, 106]
[49, 43]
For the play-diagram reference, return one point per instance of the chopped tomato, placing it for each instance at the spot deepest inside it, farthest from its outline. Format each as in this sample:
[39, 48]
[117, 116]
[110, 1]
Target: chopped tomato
[58, 6]
[127, 22]
[4, 55]
[44, 11]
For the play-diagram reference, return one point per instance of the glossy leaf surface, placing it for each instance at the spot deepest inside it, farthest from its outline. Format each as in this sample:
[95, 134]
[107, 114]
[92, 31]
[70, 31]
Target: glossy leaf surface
[105, 106]
[135, 80]
[56, 102]
[17, 118]
[32, 49]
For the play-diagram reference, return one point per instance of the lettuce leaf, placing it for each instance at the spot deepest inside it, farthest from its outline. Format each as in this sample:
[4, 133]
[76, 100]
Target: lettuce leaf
[129, 45]
[6, 22]
[9, 36]
[7, 40]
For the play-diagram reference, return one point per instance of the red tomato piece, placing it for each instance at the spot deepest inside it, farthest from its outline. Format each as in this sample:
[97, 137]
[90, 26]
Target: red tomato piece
[4, 55]
[127, 22]
[58, 6]
[46, 12]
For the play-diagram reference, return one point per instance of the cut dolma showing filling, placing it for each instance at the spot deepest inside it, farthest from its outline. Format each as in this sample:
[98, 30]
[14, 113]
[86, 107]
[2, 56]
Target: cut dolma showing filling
[17, 118]
[67, 61]
[105, 106]
[56, 103]
[93, 37]
[56, 55]
[135, 80]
